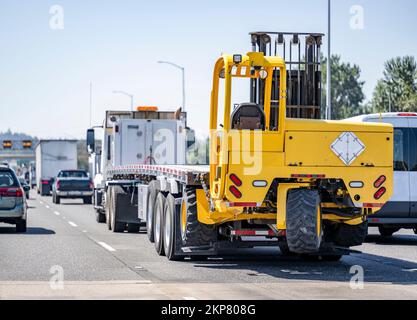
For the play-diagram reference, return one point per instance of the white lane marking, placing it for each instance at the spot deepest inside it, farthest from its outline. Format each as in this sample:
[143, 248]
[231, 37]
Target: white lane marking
[189, 298]
[57, 213]
[106, 246]
[72, 224]
[47, 207]
[40, 202]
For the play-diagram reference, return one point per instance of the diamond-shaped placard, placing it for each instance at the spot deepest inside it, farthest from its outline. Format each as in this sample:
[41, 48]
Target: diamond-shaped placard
[347, 147]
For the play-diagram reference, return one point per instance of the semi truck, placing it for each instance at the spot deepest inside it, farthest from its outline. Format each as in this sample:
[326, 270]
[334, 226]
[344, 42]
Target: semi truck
[52, 156]
[278, 174]
[144, 136]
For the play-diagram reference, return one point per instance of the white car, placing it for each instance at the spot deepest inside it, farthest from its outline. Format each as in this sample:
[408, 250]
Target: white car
[401, 211]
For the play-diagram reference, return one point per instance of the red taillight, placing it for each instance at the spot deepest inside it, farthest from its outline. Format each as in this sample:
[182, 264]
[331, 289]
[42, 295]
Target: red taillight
[380, 193]
[11, 192]
[407, 114]
[235, 179]
[91, 185]
[45, 181]
[58, 185]
[380, 181]
[235, 191]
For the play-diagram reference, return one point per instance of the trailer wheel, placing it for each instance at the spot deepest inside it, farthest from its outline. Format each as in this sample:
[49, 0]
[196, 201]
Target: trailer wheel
[115, 225]
[100, 217]
[303, 221]
[387, 231]
[159, 224]
[108, 208]
[172, 233]
[194, 233]
[150, 212]
[88, 200]
[133, 227]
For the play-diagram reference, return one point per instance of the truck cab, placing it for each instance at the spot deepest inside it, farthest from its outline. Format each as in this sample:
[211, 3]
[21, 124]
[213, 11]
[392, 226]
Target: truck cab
[144, 136]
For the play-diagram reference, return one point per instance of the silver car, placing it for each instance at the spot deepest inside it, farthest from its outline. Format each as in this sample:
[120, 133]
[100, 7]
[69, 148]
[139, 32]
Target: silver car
[13, 207]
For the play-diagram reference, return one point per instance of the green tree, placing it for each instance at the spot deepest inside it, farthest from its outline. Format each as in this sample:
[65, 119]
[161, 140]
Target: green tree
[397, 90]
[347, 89]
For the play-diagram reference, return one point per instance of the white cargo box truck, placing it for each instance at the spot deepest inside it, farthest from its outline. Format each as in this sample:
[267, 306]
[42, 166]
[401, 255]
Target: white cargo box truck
[53, 156]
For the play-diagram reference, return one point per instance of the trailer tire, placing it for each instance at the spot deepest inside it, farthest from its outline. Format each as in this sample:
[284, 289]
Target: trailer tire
[88, 200]
[172, 233]
[193, 232]
[159, 224]
[303, 223]
[150, 212]
[100, 217]
[108, 208]
[133, 227]
[387, 231]
[115, 225]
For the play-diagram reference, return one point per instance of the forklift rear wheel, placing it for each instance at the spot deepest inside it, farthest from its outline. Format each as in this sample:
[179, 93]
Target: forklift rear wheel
[303, 221]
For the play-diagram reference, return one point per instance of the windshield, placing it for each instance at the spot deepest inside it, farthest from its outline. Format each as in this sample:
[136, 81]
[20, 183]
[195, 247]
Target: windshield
[7, 179]
[72, 174]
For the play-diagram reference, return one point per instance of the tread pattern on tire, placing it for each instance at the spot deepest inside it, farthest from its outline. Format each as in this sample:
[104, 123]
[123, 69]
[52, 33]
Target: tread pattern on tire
[196, 233]
[301, 214]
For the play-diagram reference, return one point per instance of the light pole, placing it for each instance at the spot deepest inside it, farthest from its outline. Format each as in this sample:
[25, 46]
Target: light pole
[388, 84]
[183, 79]
[329, 65]
[126, 94]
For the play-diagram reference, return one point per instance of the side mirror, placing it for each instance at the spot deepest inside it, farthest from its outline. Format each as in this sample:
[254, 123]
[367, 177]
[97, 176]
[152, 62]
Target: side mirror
[91, 141]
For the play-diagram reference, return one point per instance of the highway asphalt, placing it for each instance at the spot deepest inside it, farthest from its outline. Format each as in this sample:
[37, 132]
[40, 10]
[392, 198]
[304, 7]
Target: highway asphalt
[64, 242]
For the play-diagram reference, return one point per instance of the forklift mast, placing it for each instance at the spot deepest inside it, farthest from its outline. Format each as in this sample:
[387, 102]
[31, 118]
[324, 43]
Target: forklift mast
[302, 55]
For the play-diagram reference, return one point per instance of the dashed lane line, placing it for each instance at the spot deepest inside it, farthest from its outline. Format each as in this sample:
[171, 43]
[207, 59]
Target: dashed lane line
[106, 246]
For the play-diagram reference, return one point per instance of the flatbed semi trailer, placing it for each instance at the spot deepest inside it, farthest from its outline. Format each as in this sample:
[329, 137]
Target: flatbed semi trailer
[308, 187]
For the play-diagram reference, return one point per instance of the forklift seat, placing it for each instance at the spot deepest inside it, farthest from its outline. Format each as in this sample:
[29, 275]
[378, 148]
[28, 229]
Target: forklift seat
[248, 116]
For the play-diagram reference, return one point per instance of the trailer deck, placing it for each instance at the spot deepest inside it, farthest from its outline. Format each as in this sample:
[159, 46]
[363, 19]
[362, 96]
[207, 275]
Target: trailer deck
[188, 174]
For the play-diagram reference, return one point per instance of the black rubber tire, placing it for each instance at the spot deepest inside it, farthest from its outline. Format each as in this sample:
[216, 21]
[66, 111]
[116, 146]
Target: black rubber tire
[108, 208]
[150, 213]
[57, 200]
[302, 225]
[53, 198]
[194, 233]
[387, 231]
[133, 227]
[158, 229]
[21, 226]
[100, 217]
[345, 235]
[172, 233]
[116, 226]
[88, 200]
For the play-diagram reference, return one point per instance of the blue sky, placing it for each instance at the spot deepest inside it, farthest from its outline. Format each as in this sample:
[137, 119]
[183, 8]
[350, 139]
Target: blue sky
[45, 74]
